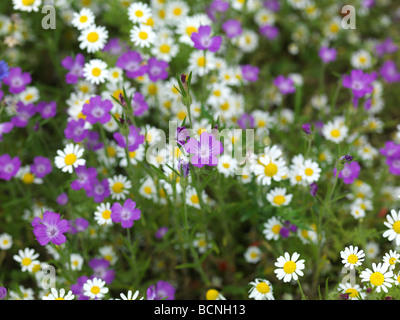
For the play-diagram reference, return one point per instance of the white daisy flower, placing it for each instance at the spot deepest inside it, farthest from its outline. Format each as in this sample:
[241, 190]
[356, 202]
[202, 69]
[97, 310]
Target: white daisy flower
[227, 165]
[272, 228]
[95, 71]
[27, 259]
[119, 187]
[27, 177]
[252, 254]
[361, 60]
[335, 131]
[139, 12]
[289, 268]
[165, 49]
[278, 197]
[261, 290]
[95, 288]
[29, 95]
[83, 19]
[352, 257]
[213, 294]
[5, 241]
[59, 295]
[393, 223]
[379, 277]
[93, 38]
[108, 253]
[69, 158]
[148, 188]
[27, 5]
[310, 171]
[134, 156]
[270, 166]
[142, 36]
[355, 291]
[391, 258]
[76, 261]
[175, 11]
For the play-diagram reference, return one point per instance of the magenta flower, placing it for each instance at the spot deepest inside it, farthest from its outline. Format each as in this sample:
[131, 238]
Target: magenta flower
[93, 142]
[250, 73]
[78, 225]
[203, 41]
[204, 152]
[285, 85]
[125, 214]
[74, 67]
[132, 63]
[5, 127]
[156, 69]
[62, 199]
[246, 121]
[219, 5]
[50, 228]
[41, 166]
[269, 32]
[86, 178]
[76, 131]
[115, 46]
[389, 72]
[17, 80]
[349, 173]
[99, 190]
[139, 104]
[160, 233]
[327, 54]
[100, 267]
[47, 109]
[134, 139]
[385, 47]
[162, 290]
[232, 28]
[23, 113]
[359, 82]
[97, 110]
[9, 166]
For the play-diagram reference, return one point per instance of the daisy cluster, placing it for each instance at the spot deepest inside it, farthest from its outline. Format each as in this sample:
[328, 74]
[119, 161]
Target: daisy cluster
[220, 149]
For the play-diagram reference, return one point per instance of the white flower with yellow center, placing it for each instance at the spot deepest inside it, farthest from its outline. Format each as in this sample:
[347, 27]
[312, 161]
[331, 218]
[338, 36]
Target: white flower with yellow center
[95, 288]
[85, 87]
[354, 292]
[158, 157]
[372, 249]
[108, 253]
[83, 19]
[76, 262]
[310, 171]
[252, 254]
[393, 225]
[5, 241]
[278, 197]
[134, 156]
[119, 187]
[27, 177]
[27, 5]
[356, 211]
[142, 36]
[130, 295]
[227, 165]
[22, 294]
[308, 235]
[352, 257]
[247, 41]
[264, 16]
[213, 294]
[93, 38]
[176, 11]
[27, 259]
[95, 71]
[59, 295]
[165, 49]
[139, 12]
[335, 131]
[289, 268]
[270, 166]
[102, 215]
[192, 198]
[361, 59]
[272, 228]
[218, 93]
[201, 63]
[379, 277]
[69, 158]
[148, 188]
[29, 95]
[391, 258]
[115, 75]
[261, 290]
[185, 29]
[332, 28]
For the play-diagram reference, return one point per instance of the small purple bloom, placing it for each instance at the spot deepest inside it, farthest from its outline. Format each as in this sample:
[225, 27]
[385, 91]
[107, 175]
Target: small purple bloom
[5, 127]
[246, 121]
[139, 104]
[4, 70]
[115, 46]
[156, 69]
[74, 67]
[284, 232]
[86, 177]
[285, 85]
[385, 47]
[232, 28]
[250, 73]
[391, 149]
[62, 199]
[182, 134]
[219, 6]
[269, 32]
[184, 168]
[76, 131]
[93, 141]
[17, 80]
[327, 54]
[132, 63]
[202, 39]
[162, 290]
[306, 128]
[97, 110]
[313, 189]
[134, 139]
[346, 158]
[161, 232]
[50, 228]
[359, 82]
[41, 166]
[125, 214]
[204, 151]
[273, 5]
[99, 190]
[47, 109]
[389, 72]
[78, 225]
[3, 293]
[100, 267]
[9, 166]
[349, 173]
[394, 165]
[23, 113]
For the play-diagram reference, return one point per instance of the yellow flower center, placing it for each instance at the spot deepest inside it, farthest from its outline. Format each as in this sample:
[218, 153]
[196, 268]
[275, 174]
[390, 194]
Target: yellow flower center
[195, 199]
[177, 11]
[29, 97]
[276, 228]
[352, 259]
[59, 298]
[352, 292]
[95, 290]
[270, 169]
[143, 35]
[147, 189]
[70, 159]
[83, 19]
[396, 227]
[289, 267]
[165, 48]
[93, 37]
[118, 187]
[111, 152]
[212, 294]
[226, 165]
[262, 287]
[106, 214]
[139, 13]
[309, 171]
[190, 30]
[377, 279]
[335, 133]
[392, 260]
[279, 200]
[201, 62]
[26, 261]
[28, 2]
[132, 154]
[334, 28]
[28, 178]
[96, 72]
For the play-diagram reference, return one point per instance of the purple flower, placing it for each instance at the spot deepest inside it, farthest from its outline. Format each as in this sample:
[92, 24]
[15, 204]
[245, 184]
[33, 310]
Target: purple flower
[182, 134]
[62, 199]
[17, 80]
[162, 290]
[346, 158]
[394, 165]
[5, 127]
[284, 232]
[313, 189]
[78, 225]
[184, 168]
[219, 6]
[285, 85]
[86, 177]
[391, 149]
[4, 70]
[134, 139]
[97, 110]
[386, 46]
[3, 293]
[204, 151]
[161, 232]
[389, 72]
[99, 190]
[359, 82]
[306, 128]
[100, 267]
[74, 67]
[232, 28]
[273, 5]
[41, 166]
[93, 142]
[349, 173]
[131, 62]
[139, 104]
[269, 32]
[76, 131]
[9, 167]
[156, 69]
[50, 228]
[250, 73]
[203, 41]
[47, 109]
[115, 46]
[246, 121]
[125, 214]
[23, 113]
[327, 54]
